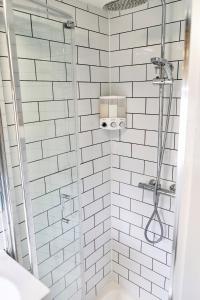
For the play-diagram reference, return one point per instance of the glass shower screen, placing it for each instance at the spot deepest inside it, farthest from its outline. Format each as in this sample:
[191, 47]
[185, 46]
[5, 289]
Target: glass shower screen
[44, 44]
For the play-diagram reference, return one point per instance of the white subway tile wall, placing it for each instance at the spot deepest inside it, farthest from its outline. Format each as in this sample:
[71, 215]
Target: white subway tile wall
[115, 211]
[45, 54]
[143, 269]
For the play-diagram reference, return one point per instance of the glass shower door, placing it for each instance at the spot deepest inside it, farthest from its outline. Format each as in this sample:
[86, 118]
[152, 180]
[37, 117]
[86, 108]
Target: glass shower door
[45, 61]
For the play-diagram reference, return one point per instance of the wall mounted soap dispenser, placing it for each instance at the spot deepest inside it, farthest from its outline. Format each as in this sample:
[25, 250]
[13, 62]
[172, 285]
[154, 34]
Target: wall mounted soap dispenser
[113, 112]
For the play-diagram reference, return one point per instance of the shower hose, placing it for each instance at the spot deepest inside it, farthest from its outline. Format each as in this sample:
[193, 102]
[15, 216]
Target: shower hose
[155, 215]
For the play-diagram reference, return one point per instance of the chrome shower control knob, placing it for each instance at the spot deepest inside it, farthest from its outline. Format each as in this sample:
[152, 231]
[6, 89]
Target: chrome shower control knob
[113, 124]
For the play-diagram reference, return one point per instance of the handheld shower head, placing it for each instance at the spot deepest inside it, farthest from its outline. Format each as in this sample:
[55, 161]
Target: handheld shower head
[123, 4]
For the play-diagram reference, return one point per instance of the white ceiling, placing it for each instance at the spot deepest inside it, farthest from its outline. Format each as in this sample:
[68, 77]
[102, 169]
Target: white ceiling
[99, 3]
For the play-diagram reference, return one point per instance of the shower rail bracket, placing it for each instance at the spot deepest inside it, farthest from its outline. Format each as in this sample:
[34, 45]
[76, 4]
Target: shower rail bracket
[160, 191]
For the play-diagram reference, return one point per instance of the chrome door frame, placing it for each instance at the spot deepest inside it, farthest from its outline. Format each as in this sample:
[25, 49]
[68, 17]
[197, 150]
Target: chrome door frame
[20, 135]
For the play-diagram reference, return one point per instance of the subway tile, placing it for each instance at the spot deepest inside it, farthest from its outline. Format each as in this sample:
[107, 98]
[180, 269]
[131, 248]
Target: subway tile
[133, 136]
[62, 90]
[172, 33]
[86, 169]
[132, 243]
[22, 23]
[120, 225]
[55, 146]
[149, 122]
[120, 148]
[104, 25]
[39, 131]
[133, 39]
[30, 112]
[34, 151]
[32, 48]
[58, 180]
[63, 269]
[120, 248]
[89, 122]
[131, 217]
[160, 292]
[94, 280]
[144, 89]
[26, 69]
[131, 191]
[144, 152]
[47, 29]
[152, 276]
[129, 264]
[133, 73]
[53, 110]
[89, 90]
[153, 252]
[43, 253]
[140, 281]
[120, 270]
[101, 163]
[42, 168]
[98, 41]
[93, 208]
[61, 241]
[121, 201]
[99, 74]
[36, 91]
[50, 71]
[87, 56]
[121, 175]
[40, 222]
[143, 55]
[175, 11]
[121, 58]
[140, 258]
[66, 160]
[83, 73]
[136, 105]
[162, 269]
[92, 181]
[101, 190]
[48, 265]
[121, 24]
[114, 42]
[61, 52]
[48, 234]
[87, 20]
[103, 239]
[54, 214]
[82, 37]
[147, 18]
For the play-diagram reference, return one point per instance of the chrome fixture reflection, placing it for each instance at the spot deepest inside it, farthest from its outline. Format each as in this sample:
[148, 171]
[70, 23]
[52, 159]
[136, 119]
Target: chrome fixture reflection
[167, 76]
[123, 4]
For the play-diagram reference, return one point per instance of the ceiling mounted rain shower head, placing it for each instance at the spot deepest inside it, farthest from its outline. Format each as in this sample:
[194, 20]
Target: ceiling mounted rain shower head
[123, 4]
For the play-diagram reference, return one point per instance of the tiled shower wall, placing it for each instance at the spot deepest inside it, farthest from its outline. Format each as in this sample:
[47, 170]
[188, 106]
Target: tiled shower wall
[144, 269]
[135, 38]
[44, 70]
